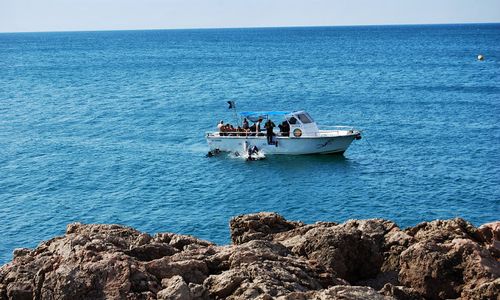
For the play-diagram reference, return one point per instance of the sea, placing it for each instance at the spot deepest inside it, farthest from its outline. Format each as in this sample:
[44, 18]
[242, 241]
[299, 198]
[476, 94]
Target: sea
[109, 127]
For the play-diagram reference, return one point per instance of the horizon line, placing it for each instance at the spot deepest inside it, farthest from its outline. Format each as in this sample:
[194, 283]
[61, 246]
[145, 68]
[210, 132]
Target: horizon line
[249, 27]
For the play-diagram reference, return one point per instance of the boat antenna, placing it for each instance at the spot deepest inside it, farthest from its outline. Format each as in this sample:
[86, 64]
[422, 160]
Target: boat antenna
[232, 105]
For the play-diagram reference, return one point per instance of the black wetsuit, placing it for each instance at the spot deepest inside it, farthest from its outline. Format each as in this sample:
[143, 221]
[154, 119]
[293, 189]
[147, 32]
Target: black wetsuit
[269, 131]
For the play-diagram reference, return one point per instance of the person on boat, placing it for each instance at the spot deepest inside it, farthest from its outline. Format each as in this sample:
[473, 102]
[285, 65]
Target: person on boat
[228, 129]
[220, 127]
[232, 130]
[257, 126]
[240, 131]
[245, 124]
[269, 131]
[252, 130]
[284, 128]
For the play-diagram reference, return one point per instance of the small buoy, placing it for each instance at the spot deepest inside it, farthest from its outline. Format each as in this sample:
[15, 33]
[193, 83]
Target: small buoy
[480, 57]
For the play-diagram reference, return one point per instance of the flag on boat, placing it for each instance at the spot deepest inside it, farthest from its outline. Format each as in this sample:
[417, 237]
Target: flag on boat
[231, 104]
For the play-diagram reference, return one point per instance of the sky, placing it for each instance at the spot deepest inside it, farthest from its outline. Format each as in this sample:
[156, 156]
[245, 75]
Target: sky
[75, 15]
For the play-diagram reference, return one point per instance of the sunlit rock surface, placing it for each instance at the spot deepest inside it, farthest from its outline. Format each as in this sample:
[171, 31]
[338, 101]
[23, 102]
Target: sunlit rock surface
[270, 258]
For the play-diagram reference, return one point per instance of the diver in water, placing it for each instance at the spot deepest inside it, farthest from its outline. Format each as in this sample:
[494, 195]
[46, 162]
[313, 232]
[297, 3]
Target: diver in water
[252, 152]
[213, 153]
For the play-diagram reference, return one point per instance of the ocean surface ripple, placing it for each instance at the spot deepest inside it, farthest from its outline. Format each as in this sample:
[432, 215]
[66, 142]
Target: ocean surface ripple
[108, 127]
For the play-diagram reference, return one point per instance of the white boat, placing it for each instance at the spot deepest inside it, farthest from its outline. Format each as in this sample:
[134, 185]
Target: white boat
[303, 136]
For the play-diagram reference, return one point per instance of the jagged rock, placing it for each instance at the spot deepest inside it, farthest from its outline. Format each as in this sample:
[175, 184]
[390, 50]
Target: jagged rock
[339, 248]
[181, 242]
[447, 261]
[270, 258]
[266, 269]
[487, 290]
[197, 291]
[491, 234]
[445, 230]
[19, 252]
[174, 288]
[258, 226]
[295, 238]
[89, 262]
[400, 292]
[395, 242]
[382, 279]
[339, 292]
[151, 251]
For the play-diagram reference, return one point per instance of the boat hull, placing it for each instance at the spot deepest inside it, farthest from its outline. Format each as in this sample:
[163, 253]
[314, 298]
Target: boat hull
[285, 145]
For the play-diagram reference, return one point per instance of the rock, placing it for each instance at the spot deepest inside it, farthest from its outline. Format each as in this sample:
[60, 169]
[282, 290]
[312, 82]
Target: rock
[340, 292]
[395, 242]
[487, 290]
[427, 268]
[197, 290]
[295, 238]
[223, 285]
[491, 235]
[382, 279]
[266, 269]
[191, 270]
[258, 226]
[174, 288]
[445, 270]
[180, 241]
[20, 252]
[151, 251]
[445, 230]
[271, 258]
[20, 291]
[400, 292]
[339, 248]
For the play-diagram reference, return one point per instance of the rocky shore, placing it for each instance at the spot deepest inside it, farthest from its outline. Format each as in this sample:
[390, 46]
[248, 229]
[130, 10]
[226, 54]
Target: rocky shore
[269, 258]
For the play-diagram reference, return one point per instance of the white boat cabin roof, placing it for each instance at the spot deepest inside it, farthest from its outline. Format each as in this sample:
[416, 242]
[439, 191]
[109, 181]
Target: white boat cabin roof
[290, 116]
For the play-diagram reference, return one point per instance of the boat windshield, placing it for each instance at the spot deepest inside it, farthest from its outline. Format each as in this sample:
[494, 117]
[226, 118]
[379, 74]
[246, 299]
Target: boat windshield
[304, 118]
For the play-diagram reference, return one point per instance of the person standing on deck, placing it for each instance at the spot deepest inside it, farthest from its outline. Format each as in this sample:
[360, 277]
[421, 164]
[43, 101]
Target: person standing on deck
[269, 131]
[257, 126]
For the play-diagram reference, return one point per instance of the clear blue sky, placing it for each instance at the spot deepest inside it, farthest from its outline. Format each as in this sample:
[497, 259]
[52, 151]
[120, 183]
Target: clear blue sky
[63, 15]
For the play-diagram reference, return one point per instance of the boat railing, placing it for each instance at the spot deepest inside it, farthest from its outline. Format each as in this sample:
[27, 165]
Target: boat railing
[325, 131]
[240, 134]
[233, 133]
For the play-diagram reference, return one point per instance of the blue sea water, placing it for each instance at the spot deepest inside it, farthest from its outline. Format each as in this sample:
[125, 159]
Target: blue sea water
[108, 127]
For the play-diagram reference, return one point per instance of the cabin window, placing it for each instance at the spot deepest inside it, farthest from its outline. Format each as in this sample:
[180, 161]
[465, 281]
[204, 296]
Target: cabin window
[304, 118]
[292, 121]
